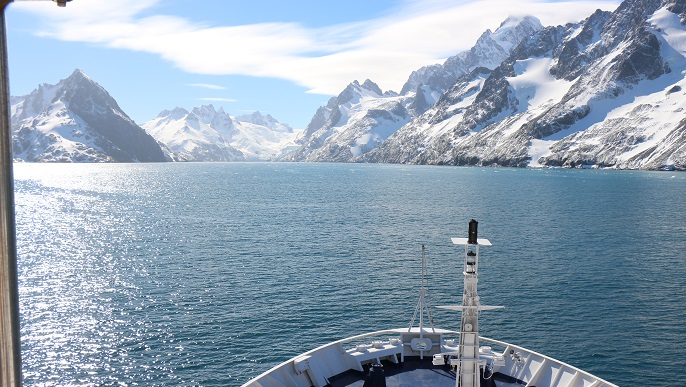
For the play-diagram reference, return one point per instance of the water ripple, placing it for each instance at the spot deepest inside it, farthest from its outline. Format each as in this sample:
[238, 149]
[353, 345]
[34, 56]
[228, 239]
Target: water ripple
[208, 274]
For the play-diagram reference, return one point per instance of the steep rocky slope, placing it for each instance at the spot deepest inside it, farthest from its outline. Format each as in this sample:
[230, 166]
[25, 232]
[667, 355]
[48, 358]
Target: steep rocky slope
[605, 92]
[76, 120]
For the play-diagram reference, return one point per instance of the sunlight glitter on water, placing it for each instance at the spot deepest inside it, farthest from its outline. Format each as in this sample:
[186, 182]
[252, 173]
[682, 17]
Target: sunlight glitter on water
[181, 274]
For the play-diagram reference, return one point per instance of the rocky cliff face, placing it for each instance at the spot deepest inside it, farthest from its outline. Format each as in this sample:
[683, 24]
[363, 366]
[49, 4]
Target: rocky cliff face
[643, 127]
[76, 120]
[603, 92]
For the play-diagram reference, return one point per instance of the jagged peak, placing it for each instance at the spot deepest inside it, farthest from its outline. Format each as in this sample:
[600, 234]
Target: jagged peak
[79, 79]
[176, 113]
[369, 85]
[258, 118]
[517, 24]
[205, 112]
[79, 73]
[353, 85]
[514, 21]
[485, 35]
[355, 88]
[348, 93]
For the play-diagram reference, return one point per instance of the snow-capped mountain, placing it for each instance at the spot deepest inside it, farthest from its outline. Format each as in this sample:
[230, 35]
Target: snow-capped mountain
[645, 127]
[351, 124]
[605, 92]
[76, 120]
[489, 51]
[609, 91]
[361, 117]
[206, 134]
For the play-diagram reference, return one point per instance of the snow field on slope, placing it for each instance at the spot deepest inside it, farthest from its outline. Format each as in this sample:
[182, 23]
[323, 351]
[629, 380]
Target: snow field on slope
[534, 86]
[668, 25]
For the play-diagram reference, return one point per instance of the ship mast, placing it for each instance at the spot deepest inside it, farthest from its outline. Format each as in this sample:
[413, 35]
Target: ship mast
[469, 366]
[468, 369]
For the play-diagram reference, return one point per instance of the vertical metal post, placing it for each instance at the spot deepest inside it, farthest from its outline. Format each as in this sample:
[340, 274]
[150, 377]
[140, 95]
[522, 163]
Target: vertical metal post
[10, 355]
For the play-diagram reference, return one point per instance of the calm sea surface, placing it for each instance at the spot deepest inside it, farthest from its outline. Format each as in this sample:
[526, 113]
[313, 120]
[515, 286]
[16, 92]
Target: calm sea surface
[209, 274]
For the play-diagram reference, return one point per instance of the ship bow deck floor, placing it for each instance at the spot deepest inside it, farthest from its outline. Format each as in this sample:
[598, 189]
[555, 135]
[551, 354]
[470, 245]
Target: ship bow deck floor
[415, 372]
[412, 372]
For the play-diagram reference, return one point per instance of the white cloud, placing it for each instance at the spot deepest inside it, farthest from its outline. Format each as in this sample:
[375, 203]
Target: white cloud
[207, 86]
[324, 60]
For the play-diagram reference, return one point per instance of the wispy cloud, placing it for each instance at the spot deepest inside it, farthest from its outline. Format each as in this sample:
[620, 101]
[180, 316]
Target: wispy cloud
[324, 60]
[207, 86]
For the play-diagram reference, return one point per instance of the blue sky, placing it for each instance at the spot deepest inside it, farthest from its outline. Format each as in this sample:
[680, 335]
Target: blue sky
[285, 58]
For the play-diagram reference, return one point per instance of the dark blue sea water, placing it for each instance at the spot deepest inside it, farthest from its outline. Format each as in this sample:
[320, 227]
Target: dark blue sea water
[209, 274]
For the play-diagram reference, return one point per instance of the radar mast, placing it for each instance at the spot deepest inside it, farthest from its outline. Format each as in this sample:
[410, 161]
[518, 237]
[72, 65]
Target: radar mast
[469, 364]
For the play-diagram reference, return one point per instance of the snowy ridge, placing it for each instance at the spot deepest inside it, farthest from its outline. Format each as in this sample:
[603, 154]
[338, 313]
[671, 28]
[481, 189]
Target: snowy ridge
[206, 134]
[649, 131]
[60, 138]
[489, 51]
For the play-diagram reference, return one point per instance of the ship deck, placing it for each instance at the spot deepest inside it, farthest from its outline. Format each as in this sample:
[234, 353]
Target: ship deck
[332, 365]
[416, 372]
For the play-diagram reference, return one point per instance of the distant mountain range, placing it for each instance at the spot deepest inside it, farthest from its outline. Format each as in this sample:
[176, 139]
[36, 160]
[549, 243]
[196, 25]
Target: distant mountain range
[606, 92]
[362, 117]
[76, 120]
[609, 91]
[205, 134]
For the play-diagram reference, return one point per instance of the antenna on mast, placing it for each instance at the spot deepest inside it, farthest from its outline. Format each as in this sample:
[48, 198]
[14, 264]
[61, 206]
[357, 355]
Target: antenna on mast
[423, 303]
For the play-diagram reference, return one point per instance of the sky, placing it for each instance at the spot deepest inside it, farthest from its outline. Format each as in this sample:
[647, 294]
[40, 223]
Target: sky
[279, 57]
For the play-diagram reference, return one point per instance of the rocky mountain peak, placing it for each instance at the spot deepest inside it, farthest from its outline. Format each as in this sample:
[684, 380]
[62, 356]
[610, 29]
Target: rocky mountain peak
[371, 86]
[86, 124]
[356, 90]
[206, 112]
[78, 75]
[489, 51]
[257, 118]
